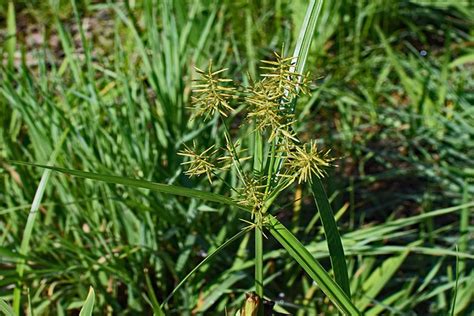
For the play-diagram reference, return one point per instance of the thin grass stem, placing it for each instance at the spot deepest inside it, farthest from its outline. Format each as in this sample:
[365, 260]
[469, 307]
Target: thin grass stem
[259, 262]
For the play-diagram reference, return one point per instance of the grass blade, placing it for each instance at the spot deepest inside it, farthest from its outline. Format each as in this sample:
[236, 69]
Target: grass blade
[302, 49]
[144, 184]
[25, 242]
[6, 309]
[11, 29]
[336, 250]
[380, 277]
[312, 267]
[88, 306]
[455, 289]
[306, 34]
[207, 259]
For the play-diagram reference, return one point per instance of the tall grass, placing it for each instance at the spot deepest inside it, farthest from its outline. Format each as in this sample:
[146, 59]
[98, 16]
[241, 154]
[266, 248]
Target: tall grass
[390, 96]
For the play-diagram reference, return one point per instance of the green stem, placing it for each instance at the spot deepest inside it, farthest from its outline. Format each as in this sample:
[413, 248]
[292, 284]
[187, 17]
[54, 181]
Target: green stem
[30, 222]
[235, 157]
[258, 152]
[270, 168]
[11, 34]
[209, 257]
[259, 262]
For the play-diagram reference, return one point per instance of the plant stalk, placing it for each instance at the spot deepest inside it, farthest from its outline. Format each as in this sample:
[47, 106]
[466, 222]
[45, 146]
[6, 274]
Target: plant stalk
[259, 262]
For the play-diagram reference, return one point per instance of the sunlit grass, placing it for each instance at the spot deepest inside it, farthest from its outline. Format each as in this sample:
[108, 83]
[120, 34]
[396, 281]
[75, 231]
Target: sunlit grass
[388, 96]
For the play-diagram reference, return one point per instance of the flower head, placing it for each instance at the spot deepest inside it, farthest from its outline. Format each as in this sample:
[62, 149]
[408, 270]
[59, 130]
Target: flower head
[305, 161]
[270, 98]
[251, 195]
[199, 163]
[210, 93]
[282, 74]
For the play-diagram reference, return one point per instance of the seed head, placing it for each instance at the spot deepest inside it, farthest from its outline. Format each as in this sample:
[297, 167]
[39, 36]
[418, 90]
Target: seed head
[270, 98]
[251, 195]
[305, 161]
[199, 163]
[283, 77]
[210, 93]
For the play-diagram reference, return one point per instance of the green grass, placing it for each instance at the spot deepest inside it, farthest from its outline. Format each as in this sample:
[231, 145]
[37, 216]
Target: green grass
[391, 96]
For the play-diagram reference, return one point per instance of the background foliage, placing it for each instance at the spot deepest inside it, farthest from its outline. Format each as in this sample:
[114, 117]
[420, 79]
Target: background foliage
[392, 96]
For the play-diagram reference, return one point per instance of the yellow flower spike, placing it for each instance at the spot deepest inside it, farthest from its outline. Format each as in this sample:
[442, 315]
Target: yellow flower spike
[210, 95]
[251, 196]
[269, 99]
[305, 161]
[199, 164]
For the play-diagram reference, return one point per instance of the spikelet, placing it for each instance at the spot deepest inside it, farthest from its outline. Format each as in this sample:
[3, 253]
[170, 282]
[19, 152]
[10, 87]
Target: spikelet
[302, 162]
[199, 164]
[251, 195]
[211, 94]
[269, 99]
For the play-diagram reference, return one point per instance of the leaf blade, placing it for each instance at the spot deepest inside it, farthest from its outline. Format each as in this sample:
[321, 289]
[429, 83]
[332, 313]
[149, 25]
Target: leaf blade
[333, 238]
[31, 219]
[88, 306]
[204, 261]
[6, 309]
[143, 184]
[311, 266]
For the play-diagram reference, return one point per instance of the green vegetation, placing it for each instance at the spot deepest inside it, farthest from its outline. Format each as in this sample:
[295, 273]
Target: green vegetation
[113, 199]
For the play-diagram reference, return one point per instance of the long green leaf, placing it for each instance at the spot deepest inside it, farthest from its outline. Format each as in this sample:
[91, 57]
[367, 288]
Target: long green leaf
[301, 51]
[306, 34]
[207, 259]
[6, 309]
[11, 35]
[30, 222]
[88, 306]
[144, 184]
[311, 266]
[336, 250]
[380, 277]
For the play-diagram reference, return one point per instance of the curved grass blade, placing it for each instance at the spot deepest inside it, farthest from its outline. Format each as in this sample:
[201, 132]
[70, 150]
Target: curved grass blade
[455, 289]
[306, 34]
[6, 309]
[336, 250]
[12, 34]
[311, 266]
[157, 310]
[144, 184]
[381, 276]
[88, 306]
[207, 259]
[301, 51]
[30, 222]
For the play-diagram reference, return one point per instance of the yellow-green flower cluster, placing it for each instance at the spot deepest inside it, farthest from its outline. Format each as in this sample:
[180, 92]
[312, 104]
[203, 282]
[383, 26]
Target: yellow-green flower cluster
[269, 108]
[270, 98]
[304, 161]
[252, 195]
[211, 93]
[199, 164]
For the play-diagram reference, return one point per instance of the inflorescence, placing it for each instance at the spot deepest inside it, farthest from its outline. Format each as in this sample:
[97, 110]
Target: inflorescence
[269, 103]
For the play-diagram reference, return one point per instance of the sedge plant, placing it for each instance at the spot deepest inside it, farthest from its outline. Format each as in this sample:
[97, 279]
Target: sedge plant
[275, 160]
[279, 159]
[386, 282]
